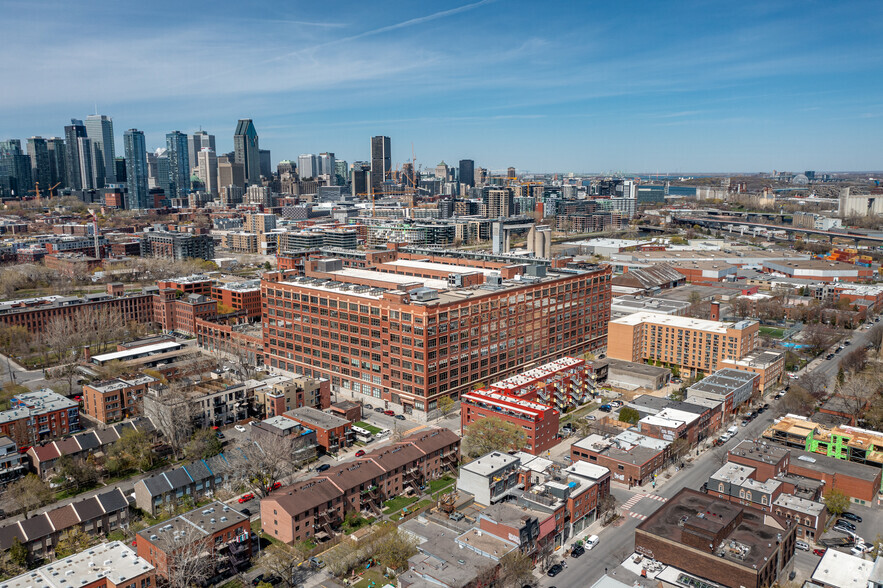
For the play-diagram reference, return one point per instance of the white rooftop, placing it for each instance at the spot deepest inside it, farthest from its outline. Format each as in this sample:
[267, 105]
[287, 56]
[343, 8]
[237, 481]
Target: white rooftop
[487, 465]
[392, 278]
[670, 417]
[673, 321]
[114, 561]
[584, 469]
[440, 267]
[147, 349]
[842, 570]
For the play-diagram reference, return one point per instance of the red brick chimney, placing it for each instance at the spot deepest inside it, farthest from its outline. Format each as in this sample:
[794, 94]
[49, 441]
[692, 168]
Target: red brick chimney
[715, 311]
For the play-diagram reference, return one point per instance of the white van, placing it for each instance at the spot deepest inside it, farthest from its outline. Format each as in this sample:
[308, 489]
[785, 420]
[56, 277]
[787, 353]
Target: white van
[733, 430]
[592, 541]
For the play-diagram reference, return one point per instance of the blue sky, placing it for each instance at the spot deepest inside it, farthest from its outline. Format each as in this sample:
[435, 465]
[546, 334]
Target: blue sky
[576, 86]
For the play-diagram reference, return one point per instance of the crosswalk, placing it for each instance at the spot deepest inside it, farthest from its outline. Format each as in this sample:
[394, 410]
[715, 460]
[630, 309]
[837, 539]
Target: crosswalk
[635, 515]
[631, 502]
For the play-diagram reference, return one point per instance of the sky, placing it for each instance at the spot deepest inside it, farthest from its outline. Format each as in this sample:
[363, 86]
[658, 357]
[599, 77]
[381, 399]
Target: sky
[544, 86]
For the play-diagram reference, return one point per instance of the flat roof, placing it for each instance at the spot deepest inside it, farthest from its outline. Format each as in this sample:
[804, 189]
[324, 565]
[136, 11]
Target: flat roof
[584, 469]
[842, 570]
[723, 381]
[366, 274]
[115, 561]
[802, 505]
[759, 450]
[440, 267]
[316, 418]
[733, 473]
[682, 322]
[823, 463]
[144, 350]
[490, 463]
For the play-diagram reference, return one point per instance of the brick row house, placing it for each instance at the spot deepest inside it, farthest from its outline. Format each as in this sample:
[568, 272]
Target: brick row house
[315, 508]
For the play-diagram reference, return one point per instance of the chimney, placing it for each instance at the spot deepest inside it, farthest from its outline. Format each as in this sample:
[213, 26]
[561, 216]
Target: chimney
[715, 311]
[87, 354]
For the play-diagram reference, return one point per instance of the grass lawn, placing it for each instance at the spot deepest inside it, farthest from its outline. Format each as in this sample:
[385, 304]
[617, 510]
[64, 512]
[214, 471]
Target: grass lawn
[418, 506]
[373, 575]
[443, 482]
[371, 428]
[774, 332]
[398, 503]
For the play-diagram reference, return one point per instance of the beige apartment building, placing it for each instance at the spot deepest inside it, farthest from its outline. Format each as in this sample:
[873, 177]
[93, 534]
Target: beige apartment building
[693, 345]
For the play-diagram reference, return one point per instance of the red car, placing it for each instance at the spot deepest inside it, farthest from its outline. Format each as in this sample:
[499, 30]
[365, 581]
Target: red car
[819, 552]
[274, 486]
[360, 453]
[246, 497]
[389, 413]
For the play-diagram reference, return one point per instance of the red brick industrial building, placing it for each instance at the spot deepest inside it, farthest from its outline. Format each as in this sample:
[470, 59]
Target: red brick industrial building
[388, 332]
[538, 421]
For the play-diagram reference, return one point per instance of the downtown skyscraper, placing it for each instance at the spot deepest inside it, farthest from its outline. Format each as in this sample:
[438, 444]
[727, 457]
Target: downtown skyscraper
[38, 151]
[381, 162]
[246, 150]
[179, 165]
[136, 169]
[72, 134]
[99, 129]
[196, 143]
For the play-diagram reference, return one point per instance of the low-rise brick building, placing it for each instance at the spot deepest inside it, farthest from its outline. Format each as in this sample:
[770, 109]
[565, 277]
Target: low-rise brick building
[631, 458]
[538, 421]
[726, 543]
[39, 416]
[114, 400]
[332, 432]
[315, 508]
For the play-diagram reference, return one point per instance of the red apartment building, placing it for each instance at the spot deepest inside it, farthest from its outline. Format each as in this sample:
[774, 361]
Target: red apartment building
[315, 508]
[244, 296]
[39, 416]
[540, 422]
[409, 339]
[562, 383]
[180, 313]
[114, 400]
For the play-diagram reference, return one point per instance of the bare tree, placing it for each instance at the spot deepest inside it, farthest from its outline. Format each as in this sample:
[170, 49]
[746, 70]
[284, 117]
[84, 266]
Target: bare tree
[516, 568]
[284, 563]
[855, 360]
[169, 407]
[875, 336]
[813, 383]
[188, 562]
[29, 493]
[267, 460]
[856, 394]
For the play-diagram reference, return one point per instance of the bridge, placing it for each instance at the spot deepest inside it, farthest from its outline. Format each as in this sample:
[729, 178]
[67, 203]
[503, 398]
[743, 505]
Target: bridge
[734, 224]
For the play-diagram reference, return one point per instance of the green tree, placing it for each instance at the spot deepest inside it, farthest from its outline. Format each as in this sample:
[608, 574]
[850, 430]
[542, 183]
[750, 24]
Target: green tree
[132, 450]
[516, 568]
[629, 415]
[445, 406]
[493, 434]
[267, 266]
[836, 501]
[394, 549]
[18, 553]
[203, 444]
[81, 474]
[73, 541]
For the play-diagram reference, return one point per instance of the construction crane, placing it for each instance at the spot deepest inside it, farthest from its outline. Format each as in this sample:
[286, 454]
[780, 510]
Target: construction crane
[37, 189]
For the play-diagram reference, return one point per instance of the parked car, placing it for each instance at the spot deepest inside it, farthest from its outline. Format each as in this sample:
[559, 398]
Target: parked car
[317, 563]
[577, 551]
[845, 523]
[591, 417]
[323, 467]
[389, 413]
[257, 580]
[829, 356]
[456, 516]
[246, 497]
[819, 552]
[378, 409]
[274, 486]
[605, 408]
[240, 428]
[369, 406]
[400, 417]
[592, 541]
[616, 403]
[843, 529]
[802, 545]
[219, 435]
[555, 570]
[852, 517]
[360, 453]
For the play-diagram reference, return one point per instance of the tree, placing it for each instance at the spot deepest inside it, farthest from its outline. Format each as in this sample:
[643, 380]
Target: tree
[202, 445]
[678, 447]
[284, 563]
[798, 401]
[81, 474]
[189, 563]
[813, 383]
[856, 394]
[493, 434]
[394, 549]
[629, 415]
[817, 337]
[855, 360]
[516, 568]
[267, 460]
[73, 541]
[133, 450]
[445, 406]
[18, 558]
[836, 502]
[170, 409]
[29, 493]
[875, 336]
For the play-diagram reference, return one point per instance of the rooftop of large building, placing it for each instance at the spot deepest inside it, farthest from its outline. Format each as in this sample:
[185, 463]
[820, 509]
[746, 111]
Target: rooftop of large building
[629, 303]
[842, 570]
[195, 525]
[761, 358]
[801, 505]
[750, 543]
[723, 381]
[113, 561]
[681, 322]
[760, 450]
[732, 473]
[34, 403]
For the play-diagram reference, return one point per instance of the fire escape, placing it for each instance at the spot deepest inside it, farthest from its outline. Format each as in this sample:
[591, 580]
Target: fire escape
[450, 460]
[371, 499]
[326, 520]
[414, 477]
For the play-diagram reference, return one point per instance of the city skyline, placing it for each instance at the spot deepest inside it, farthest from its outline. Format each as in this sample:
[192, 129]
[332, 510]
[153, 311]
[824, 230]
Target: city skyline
[552, 87]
